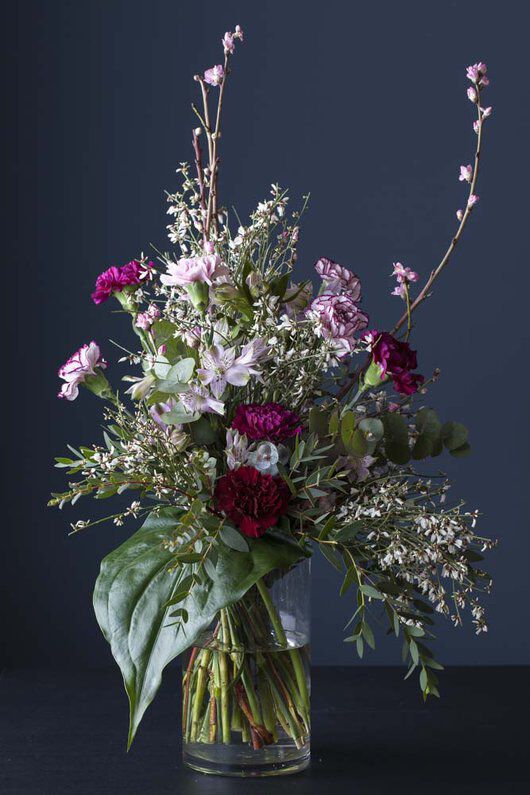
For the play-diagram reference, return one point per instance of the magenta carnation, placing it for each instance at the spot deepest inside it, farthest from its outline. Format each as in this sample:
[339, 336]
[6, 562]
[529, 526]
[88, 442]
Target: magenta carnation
[396, 359]
[114, 279]
[269, 422]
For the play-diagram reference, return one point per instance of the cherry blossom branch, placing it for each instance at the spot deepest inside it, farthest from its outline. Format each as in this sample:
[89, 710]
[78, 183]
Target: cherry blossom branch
[200, 177]
[474, 94]
[214, 160]
[215, 76]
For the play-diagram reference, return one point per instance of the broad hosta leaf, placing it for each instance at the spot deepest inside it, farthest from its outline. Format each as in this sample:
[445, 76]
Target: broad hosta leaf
[135, 586]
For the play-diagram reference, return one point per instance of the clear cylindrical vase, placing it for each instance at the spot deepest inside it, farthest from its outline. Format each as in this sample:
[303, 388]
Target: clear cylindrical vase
[246, 684]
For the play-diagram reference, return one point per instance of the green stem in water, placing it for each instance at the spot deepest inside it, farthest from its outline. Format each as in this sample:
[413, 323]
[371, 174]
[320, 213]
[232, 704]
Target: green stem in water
[202, 678]
[282, 640]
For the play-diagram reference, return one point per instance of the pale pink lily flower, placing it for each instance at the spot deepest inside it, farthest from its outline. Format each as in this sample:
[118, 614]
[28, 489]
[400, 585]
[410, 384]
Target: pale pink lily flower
[193, 269]
[473, 199]
[84, 362]
[198, 399]
[215, 75]
[466, 173]
[220, 366]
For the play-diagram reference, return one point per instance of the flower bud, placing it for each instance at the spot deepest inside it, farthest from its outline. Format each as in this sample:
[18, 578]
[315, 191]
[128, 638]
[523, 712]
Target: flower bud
[198, 293]
[372, 376]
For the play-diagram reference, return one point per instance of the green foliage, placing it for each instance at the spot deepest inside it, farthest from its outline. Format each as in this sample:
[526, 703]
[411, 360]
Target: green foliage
[429, 438]
[143, 579]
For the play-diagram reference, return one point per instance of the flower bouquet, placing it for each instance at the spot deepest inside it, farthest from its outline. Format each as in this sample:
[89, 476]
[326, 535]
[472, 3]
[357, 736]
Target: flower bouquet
[264, 423]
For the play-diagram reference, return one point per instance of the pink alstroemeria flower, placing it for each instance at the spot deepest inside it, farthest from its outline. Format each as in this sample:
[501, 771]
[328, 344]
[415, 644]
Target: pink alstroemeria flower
[84, 362]
[199, 399]
[220, 366]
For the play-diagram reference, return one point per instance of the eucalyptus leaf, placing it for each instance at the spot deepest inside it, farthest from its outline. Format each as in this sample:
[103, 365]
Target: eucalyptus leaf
[454, 435]
[233, 538]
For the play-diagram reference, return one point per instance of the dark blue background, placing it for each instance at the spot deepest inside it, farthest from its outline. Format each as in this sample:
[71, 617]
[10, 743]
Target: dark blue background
[364, 105]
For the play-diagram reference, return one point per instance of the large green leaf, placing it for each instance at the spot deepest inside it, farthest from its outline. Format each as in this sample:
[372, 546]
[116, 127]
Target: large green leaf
[135, 585]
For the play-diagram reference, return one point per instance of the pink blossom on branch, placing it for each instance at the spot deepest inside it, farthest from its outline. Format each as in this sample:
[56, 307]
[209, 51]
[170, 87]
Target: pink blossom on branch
[404, 274]
[473, 199]
[466, 173]
[228, 42]
[459, 214]
[215, 75]
[476, 72]
[472, 94]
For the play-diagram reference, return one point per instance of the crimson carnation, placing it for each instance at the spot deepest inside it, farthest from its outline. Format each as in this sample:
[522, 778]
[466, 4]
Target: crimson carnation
[253, 501]
[396, 359]
[114, 279]
[269, 422]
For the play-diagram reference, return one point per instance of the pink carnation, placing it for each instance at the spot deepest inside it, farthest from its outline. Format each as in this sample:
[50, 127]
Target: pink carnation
[338, 279]
[338, 318]
[269, 422]
[114, 279]
[193, 269]
[84, 362]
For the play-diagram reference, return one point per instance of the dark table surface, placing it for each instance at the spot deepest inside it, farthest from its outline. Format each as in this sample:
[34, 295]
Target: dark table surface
[63, 733]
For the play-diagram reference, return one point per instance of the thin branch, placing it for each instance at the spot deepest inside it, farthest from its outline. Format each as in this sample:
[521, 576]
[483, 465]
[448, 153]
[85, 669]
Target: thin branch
[425, 292]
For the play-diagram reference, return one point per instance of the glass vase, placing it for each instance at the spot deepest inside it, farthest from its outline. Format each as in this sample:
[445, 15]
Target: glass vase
[246, 684]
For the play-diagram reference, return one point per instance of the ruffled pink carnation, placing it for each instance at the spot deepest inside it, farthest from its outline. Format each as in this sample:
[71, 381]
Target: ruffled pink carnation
[82, 363]
[193, 269]
[338, 318]
[114, 279]
[269, 422]
[338, 279]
